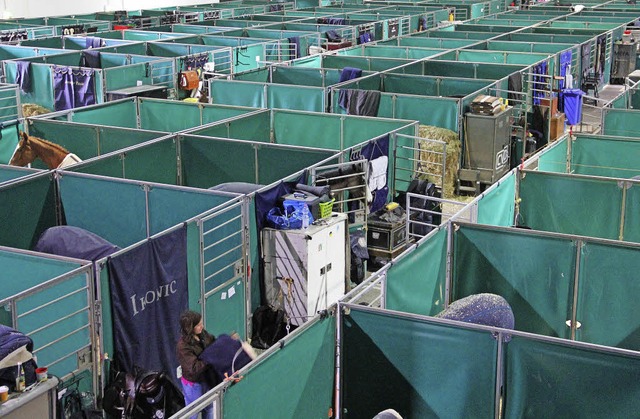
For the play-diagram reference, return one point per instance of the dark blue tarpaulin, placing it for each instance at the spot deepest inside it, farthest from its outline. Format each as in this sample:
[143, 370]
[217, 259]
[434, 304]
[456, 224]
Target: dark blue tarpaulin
[148, 292]
[74, 242]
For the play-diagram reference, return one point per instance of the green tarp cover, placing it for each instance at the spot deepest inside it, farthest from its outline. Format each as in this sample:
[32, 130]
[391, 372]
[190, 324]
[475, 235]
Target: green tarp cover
[416, 282]
[28, 209]
[594, 208]
[547, 380]
[608, 309]
[533, 273]
[420, 369]
[295, 382]
[497, 207]
[611, 157]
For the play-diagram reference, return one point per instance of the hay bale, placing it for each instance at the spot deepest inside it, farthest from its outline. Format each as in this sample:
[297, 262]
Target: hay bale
[430, 162]
[31, 109]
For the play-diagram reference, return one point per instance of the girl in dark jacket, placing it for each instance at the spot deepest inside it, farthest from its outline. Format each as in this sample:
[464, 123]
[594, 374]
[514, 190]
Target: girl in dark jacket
[192, 342]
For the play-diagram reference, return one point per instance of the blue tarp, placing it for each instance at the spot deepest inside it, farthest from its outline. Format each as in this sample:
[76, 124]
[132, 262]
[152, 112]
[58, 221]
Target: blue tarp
[74, 242]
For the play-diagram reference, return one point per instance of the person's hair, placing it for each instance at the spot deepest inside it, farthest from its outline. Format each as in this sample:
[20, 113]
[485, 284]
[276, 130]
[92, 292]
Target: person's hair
[188, 321]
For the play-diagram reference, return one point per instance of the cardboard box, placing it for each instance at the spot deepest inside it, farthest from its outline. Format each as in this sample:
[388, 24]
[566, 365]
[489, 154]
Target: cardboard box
[551, 104]
[556, 126]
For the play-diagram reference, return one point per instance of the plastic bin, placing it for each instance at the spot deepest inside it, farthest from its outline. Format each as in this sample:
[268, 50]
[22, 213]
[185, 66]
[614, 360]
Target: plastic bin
[572, 100]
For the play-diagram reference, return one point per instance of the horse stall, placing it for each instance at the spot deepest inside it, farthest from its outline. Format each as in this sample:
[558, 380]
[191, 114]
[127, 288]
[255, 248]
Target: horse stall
[50, 299]
[406, 96]
[299, 42]
[68, 25]
[83, 140]
[129, 215]
[68, 42]
[12, 32]
[304, 364]
[497, 372]
[591, 155]
[621, 122]
[144, 114]
[99, 77]
[296, 88]
[248, 53]
[583, 278]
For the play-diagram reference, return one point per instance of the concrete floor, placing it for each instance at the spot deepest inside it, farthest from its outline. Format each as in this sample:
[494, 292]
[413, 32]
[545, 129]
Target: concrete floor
[592, 108]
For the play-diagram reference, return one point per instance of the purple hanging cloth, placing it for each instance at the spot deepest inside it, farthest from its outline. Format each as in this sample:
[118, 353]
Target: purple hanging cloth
[84, 87]
[23, 75]
[63, 88]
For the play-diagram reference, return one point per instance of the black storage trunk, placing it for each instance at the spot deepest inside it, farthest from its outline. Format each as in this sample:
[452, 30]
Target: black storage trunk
[386, 236]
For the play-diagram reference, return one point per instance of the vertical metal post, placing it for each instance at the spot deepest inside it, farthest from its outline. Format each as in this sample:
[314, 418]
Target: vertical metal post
[449, 273]
[338, 380]
[499, 376]
[576, 275]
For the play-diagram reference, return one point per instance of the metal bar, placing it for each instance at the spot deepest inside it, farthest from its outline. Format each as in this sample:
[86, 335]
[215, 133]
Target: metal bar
[224, 240]
[576, 284]
[73, 332]
[41, 306]
[223, 254]
[58, 320]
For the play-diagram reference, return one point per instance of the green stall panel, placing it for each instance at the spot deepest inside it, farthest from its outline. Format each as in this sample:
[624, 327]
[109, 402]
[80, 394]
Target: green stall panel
[119, 114]
[8, 173]
[551, 380]
[497, 206]
[165, 212]
[31, 270]
[601, 156]
[275, 163]
[554, 158]
[301, 98]
[607, 308]
[420, 369]
[254, 127]
[594, 208]
[115, 211]
[443, 112]
[8, 142]
[208, 162]
[41, 83]
[533, 273]
[126, 76]
[416, 282]
[621, 122]
[87, 141]
[28, 208]
[307, 129]
[305, 367]
[631, 231]
[229, 92]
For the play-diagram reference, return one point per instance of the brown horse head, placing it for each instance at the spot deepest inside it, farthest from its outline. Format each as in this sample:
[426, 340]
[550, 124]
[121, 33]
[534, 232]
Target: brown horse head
[31, 148]
[24, 153]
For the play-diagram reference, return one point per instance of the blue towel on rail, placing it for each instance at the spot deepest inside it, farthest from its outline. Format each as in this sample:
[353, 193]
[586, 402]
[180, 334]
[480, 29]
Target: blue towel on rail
[23, 75]
[93, 42]
[350, 73]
